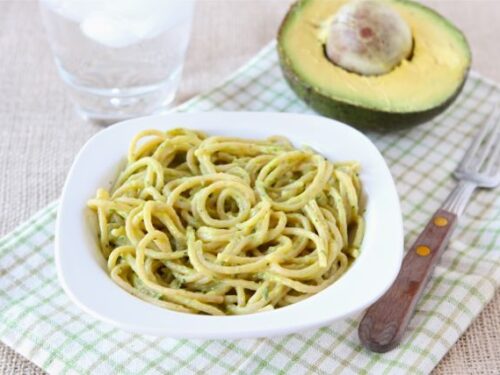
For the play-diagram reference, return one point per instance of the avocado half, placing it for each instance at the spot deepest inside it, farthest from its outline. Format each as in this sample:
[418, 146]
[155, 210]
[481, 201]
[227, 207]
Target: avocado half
[415, 91]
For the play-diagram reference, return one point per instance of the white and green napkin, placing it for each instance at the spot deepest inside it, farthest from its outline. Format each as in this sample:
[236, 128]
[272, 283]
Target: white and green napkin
[39, 321]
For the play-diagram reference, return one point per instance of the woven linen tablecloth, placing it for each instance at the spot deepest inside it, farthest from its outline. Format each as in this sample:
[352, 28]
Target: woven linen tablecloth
[38, 320]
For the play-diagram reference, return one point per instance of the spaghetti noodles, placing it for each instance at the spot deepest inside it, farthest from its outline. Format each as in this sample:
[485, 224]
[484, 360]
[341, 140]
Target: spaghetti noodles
[221, 225]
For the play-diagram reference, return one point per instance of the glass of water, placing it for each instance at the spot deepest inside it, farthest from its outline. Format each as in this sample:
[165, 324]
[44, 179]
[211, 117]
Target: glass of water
[119, 58]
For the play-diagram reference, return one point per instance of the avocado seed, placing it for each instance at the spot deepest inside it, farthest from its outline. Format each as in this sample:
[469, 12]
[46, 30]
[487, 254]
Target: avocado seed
[368, 37]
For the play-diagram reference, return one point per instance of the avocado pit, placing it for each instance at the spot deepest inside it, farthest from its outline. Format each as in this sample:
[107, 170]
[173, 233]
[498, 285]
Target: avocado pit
[368, 37]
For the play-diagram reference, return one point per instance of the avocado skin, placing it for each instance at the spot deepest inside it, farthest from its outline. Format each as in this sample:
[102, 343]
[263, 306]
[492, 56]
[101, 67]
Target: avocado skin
[358, 116]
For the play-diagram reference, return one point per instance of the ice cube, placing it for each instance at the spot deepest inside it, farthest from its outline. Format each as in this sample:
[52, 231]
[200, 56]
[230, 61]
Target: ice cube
[120, 23]
[75, 10]
[108, 30]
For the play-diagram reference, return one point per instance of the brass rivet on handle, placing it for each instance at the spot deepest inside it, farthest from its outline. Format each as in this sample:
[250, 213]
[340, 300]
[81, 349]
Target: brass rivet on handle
[423, 251]
[440, 221]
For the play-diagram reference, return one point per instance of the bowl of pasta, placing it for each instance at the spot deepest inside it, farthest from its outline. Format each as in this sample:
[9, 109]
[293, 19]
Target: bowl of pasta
[227, 225]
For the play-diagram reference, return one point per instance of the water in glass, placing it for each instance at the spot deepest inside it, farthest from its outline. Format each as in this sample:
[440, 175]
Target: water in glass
[120, 58]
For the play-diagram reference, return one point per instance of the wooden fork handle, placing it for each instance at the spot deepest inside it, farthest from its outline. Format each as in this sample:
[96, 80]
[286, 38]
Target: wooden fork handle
[385, 322]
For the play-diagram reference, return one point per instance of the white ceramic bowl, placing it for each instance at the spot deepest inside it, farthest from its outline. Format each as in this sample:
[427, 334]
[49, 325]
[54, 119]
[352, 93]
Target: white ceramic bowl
[81, 267]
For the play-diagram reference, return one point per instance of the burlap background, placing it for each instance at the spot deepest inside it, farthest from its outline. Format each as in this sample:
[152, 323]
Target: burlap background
[40, 134]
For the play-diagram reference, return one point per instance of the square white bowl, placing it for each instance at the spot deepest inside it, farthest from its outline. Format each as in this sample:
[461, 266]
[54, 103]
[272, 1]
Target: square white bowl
[82, 269]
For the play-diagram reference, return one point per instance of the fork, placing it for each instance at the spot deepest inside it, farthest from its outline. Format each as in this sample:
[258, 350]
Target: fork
[385, 322]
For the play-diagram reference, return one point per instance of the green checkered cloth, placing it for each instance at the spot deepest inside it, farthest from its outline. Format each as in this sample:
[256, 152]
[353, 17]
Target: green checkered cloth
[38, 320]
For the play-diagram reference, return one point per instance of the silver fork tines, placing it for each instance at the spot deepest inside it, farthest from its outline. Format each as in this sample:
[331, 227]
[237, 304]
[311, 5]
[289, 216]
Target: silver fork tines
[480, 166]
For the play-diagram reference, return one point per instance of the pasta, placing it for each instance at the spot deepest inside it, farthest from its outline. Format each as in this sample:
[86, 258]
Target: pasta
[222, 225]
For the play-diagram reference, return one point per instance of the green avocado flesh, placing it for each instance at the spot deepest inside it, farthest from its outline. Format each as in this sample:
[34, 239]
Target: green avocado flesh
[413, 92]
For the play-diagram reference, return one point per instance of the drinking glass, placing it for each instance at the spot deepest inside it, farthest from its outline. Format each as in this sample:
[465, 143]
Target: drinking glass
[119, 58]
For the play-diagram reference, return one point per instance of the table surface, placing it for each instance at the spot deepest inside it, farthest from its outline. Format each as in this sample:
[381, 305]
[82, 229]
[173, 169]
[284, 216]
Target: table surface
[40, 134]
